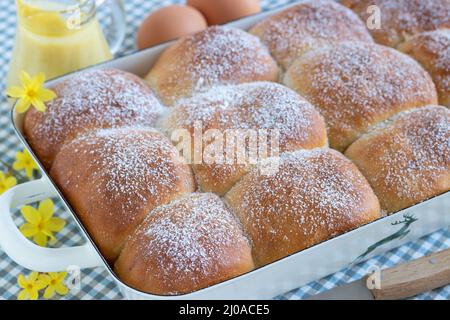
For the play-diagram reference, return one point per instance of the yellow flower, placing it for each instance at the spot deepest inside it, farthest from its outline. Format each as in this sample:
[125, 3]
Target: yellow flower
[6, 182]
[30, 286]
[40, 223]
[24, 161]
[55, 284]
[31, 92]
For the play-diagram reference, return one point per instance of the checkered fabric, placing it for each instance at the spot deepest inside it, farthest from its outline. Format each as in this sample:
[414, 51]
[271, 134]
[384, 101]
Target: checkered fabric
[96, 284]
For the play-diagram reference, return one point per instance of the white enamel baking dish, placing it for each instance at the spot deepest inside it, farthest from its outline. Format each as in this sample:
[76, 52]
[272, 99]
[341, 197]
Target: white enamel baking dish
[264, 283]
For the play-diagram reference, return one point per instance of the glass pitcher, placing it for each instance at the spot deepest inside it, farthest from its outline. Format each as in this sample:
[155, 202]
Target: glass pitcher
[60, 36]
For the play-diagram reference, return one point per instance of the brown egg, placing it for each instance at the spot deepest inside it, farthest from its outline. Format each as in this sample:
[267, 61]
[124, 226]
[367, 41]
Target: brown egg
[169, 23]
[221, 11]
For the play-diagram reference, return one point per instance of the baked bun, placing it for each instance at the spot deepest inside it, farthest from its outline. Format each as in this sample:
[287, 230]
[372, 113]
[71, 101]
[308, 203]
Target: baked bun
[432, 50]
[186, 245]
[248, 109]
[86, 101]
[407, 159]
[307, 26]
[114, 177]
[401, 19]
[313, 196]
[356, 85]
[217, 55]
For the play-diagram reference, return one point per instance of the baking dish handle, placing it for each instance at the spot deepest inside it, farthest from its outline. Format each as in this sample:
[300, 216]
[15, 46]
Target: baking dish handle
[25, 252]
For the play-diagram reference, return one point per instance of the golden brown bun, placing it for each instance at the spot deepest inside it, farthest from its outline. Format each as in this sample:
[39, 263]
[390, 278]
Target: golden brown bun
[256, 106]
[406, 159]
[401, 19]
[189, 244]
[307, 26]
[217, 55]
[432, 50]
[356, 85]
[87, 101]
[113, 177]
[314, 195]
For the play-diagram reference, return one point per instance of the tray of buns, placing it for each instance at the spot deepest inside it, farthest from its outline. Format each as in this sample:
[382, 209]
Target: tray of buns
[362, 161]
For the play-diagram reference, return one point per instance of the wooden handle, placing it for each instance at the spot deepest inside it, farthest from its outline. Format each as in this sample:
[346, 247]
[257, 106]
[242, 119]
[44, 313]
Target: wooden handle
[417, 276]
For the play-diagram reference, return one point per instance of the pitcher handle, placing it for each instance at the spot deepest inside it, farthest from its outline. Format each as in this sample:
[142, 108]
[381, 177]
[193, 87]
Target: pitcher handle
[115, 30]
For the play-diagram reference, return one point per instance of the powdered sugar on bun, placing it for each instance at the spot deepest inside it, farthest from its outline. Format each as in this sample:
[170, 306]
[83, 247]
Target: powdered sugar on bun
[186, 245]
[432, 50]
[217, 55]
[402, 19]
[128, 156]
[256, 106]
[307, 26]
[356, 85]
[114, 177]
[407, 159]
[86, 101]
[313, 196]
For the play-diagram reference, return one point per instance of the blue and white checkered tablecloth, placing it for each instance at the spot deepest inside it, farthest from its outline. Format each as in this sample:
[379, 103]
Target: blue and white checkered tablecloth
[96, 283]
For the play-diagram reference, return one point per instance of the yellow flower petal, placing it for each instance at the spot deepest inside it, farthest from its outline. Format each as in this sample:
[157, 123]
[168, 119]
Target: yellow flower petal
[56, 224]
[49, 234]
[49, 292]
[38, 104]
[25, 161]
[32, 92]
[23, 295]
[28, 230]
[40, 284]
[33, 164]
[22, 281]
[31, 215]
[46, 209]
[44, 278]
[61, 289]
[28, 157]
[34, 295]
[25, 79]
[20, 156]
[46, 94]
[10, 182]
[23, 104]
[40, 239]
[62, 275]
[18, 165]
[33, 276]
[15, 92]
[38, 80]
[29, 172]
[6, 182]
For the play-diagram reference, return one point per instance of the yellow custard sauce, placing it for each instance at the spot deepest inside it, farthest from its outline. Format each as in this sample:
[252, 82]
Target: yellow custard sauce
[56, 37]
